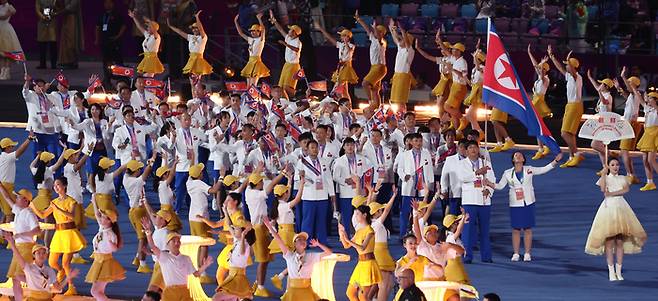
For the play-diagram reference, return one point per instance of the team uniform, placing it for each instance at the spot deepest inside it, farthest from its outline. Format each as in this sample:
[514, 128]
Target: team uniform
[255, 66]
[150, 63]
[196, 64]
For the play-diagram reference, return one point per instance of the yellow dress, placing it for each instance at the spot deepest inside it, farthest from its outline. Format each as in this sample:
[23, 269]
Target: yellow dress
[287, 233]
[417, 266]
[175, 223]
[197, 65]
[629, 144]
[299, 289]
[573, 112]
[287, 77]
[6, 208]
[67, 238]
[42, 201]
[498, 115]
[440, 88]
[236, 283]
[401, 87]
[237, 219]
[345, 73]
[104, 202]
[383, 257]
[456, 95]
[375, 75]
[649, 140]
[255, 68]
[150, 64]
[366, 272]
[106, 269]
[475, 97]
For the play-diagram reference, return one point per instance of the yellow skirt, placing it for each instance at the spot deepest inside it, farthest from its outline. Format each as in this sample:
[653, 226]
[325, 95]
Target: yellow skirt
[629, 144]
[366, 273]
[79, 217]
[287, 78]
[175, 223]
[440, 88]
[67, 241]
[539, 102]
[261, 250]
[223, 257]
[105, 269]
[236, 284]
[150, 64]
[573, 112]
[25, 249]
[104, 202]
[401, 85]
[197, 65]
[38, 296]
[375, 75]
[156, 278]
[287, 233]
[255, 68]
[649, 140]
[475, 97]
[4, 206]
[498, 115]
[345, 73]
[383, 257]
[615, 217]
[199, 229]
[176, 292]
[42, 201]
[456, 96]
[455, 271]
[299, 289]
[135, 216]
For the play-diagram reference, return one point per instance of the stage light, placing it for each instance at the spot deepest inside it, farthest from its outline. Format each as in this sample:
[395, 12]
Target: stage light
[173, 99]
[215, 98]
[229, 72]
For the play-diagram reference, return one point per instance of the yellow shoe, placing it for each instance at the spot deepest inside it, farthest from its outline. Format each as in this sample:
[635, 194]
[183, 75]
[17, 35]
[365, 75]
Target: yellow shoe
[546, 151]
[614, 154]
[498, 148]
[566, 164]
[599, 173]
[135, 262]
[463, 122]
[79, 260]
[508, 144]
[205, 279]
[648, 187]
[278, 283]
[262, 292]
[538, 155]
[634, 180]
[61, 275]
[144, 269]
[71, 291]
[576, 161]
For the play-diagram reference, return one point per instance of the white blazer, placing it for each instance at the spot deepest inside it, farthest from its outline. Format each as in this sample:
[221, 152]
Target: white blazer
[526, 190]
[122, 135]
[471, 194]
[311, 191]
[181, 146]
[407, 167]
[387, 165]
[341, 172]
[330, 152]
[450, 183]
[240, 150]
[141, 103]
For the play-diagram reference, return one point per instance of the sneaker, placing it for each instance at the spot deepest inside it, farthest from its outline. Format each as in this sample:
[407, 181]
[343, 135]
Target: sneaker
[144, 269]
[648, 187]
[278, 283]
[205, 279]
[576, 161]
[566, 164]
[262, 292]
[71, 291]
[515, 257]
[634, 179]
[508, 144]
[538, 155]
[546, 151]
[527, 257]
[135, 262]
[498, 148]
[79, 260]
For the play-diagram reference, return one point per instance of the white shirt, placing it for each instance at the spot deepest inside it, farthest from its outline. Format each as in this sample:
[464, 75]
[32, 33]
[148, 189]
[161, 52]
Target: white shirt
[449, 182]
[151, 42]
[164, 193]
[650, 116]
[461, 66]
[187, 141]
[105, 241]
[522, 191]
[198, 191]
[292, 56]
[442, 62]
[74, 188]
[39, 278]
[476, 76]
[473, 185]
[107, 185]
[301, 266]
[175, 269]
[257, 203]
[631, 108]
[8, 167]
[123, 134]
[256, 46]
[48, 178]
[286, 215]
[381, 233]
[377, 51]
[160, 238]
[345, 51]
[403, 59]
[574, 88]
[196, 44]
[239, 257]
[24, 221]
[382, 160]
[41, 116]
[134, 187]
[539, 88]
[141, 101]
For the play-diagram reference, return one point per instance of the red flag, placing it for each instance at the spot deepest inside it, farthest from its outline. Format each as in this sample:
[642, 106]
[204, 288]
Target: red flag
[236, 86]
[18, 56]
[122, 71]
[158, 92]
[300, 74]
[278, 112]
[253, 92]
[97, 83]
[338, 90]
[271, 142]
[61, 79]
[266, 89]
[293, 130]
[153, 83]
[320, 85]
[233, 127]
[367, 176]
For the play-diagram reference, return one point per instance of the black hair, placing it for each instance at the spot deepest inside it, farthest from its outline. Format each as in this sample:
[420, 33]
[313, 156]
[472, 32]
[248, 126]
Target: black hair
[433, 119]
[463, 142]
[117, 232]
[127, 109]
[235, 95]
[305, 136]
[492, 297]
[312, 141]
[224, 114]
[181, 105]
[408, 137]
[39, 81]
[250, 237]
[376, 131]
[343, 101]
[281, 125]
[100, 109]
[251, 114]
[473, 132]
[64, 181]
[332, 136]
[471, 142]
[236, 196]
[522, 155]
[354, 126]
[164, 103]
[366, 210]
[308, 119]
[153, 295]
[100, 172]
[342, 148]
[612, 159]
[450, 131]
[249, 126]
[409, 113]
[423, 129]
[166, 126]
[407, 236]
[124, 88]
[39, 175]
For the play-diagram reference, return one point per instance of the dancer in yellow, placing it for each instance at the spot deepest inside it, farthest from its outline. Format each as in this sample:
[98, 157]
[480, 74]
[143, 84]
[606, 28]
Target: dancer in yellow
[402, 80]
[160, 221]
[443, 86]
[67, 239]
[539, 89]
[573, 112]
[373, 80]
[459, 69]
[165, 175]
[366, 274]
[604, 104]
[104, 186]
[382, 255]
[615, 229]
[631, 113]
[648, 144]
[411, 260]
[43, 176]
[150, 64]
[134, 181]
[9, 154]
[288, 80]
[344, 74]
[255, 69]
[196, 44]
[105, 268]
[474, 99]
[454, 269]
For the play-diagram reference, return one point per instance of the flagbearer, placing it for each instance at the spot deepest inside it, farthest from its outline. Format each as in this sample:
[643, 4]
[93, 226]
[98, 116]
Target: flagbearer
[288, 80]
[254, 69]
[150, 64]
[196, 64]
[573, 112]
[373, 80]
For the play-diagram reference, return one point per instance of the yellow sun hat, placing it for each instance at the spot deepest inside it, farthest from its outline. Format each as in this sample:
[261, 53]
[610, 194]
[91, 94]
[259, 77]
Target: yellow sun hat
[25, 193]
[38, 247]
[428, 228]
[229, 180]
[161, 170]
[573, 62]
[106, 163]
[374, 207]
[255, 178]
[111, 214]
[481, 56]
[358, 200]
[255, 27]
[653, 94]
[5, 142]
[69, 152]
[164, 214]
[447, 45]
[134, 165]
[634, 80]
[450, 219]
[345, 33]
[280, 189]
[606, 81]
[423, 205]
[303, 235]
[46, 157]
[381, 29]
[459, 46]
[196, 169]
[296, 29]
[449, 293]
[545, 66]
[172, 235]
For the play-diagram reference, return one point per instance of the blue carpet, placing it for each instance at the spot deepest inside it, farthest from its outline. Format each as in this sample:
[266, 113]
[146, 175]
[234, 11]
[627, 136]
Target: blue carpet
[560, 270]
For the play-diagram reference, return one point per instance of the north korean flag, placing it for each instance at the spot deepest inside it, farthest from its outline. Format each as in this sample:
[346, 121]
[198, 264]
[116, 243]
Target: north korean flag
[122, 71]
[300, 74]
[236, 86]
[503, 89]
[266, 89]
[153, 83]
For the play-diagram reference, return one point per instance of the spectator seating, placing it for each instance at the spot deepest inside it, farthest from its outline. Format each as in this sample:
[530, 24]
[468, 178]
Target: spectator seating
[551, 11]
[429, 10]
[390, 10]
[449, 10]
[409, 9]
[469, 11]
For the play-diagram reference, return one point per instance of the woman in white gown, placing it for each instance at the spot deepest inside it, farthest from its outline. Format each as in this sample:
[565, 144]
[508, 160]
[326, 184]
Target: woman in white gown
[8, 40]
[615, 228]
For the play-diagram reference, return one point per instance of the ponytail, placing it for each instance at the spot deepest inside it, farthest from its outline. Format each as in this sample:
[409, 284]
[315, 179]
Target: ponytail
[39, 175]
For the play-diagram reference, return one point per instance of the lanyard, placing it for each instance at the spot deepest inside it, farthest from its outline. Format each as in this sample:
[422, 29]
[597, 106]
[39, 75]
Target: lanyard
[188, 136]
[351, 161]
[380, 154]
[133, 137]
[66, 103]
[43, 103]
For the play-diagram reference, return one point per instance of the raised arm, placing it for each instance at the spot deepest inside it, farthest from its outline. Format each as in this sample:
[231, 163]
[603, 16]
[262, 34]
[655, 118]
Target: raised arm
[425, 54]
[389, 205]
[23, 147]
[202, 30]
[558, 65]
[139, 25]
[176, 30]
[369, 30]
[17, 254]
[276, 236]
[326, 35]
[172, 172]
[119, 170]
[259, 16]
[276, 24]
[300, 191]
[83, 159]
[146, 224]
[534, 61]
[275, 181]
[149, 166]
[239, 29]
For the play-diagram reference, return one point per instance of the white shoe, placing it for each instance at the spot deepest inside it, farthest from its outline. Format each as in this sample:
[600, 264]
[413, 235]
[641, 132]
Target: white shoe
[527, 257]
[3, 73]
[515, 257]
[611, 273]
[618, 273]
[7, 73]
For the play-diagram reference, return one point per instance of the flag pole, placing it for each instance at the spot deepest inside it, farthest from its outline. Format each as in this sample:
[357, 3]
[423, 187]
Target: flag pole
[24, 67]
[486, 114]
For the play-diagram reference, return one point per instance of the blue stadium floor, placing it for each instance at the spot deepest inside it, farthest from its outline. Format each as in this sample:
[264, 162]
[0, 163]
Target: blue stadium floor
[560, 270]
